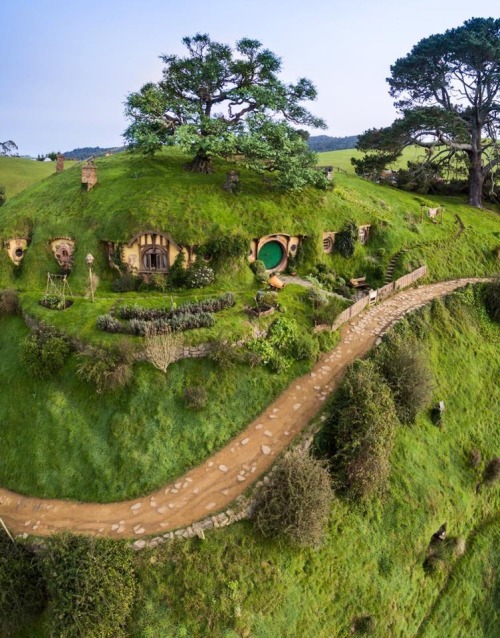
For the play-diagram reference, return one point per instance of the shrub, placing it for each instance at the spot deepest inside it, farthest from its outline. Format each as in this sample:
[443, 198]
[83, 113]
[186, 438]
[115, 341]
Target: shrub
[491, 472]
[345, 240]
[225, 248]
[9, 303]
[158, 281]
[106, 369]
[492, 300]
[22, 588]
[161, 349]
[306, 347]
[91, 586]
[55, 302]
[44, 351]
[259, 270]
[177, 273]
[359, 435]
[126, 283]
[405, 367]
[224, 354]
[317, 297]
[326, 315]
[199, 275]
[296, 503]
[364, 625]
[267, 298]
[195, 397]
[475, 457]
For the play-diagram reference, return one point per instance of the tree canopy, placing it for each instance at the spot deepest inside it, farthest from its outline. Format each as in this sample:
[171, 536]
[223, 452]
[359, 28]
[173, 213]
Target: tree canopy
[220, 102]
[7, 147]
[447, 91]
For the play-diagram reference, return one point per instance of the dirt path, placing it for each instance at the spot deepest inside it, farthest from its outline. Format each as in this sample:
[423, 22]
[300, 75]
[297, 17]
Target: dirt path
[214, 484]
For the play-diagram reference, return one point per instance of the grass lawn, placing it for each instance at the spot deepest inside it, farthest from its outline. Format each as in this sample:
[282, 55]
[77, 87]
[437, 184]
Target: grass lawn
[17, 173]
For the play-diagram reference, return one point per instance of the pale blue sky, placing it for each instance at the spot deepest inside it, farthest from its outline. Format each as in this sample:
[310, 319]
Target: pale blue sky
[66, 67]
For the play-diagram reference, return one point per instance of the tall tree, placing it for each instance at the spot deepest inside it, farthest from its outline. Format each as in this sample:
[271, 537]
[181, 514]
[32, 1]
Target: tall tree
[447, 90]
[219, 102]
[7, 147]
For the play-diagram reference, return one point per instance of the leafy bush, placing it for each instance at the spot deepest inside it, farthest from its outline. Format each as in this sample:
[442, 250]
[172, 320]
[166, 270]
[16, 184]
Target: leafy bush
[306, 347]
[326, 314]
[22, 588]
[491, 472]
[405, 367]
[44, 351]
[55, 302]
[158, 281]
[224, 354]
[91, 586]
[492, 300]
[317, 297]
[359, 435]
[126, 283]
[225, 248]
[296, 503]
[259, 270]
[345, 240]
[195, 397]
[106, 369]
[9, 303]
[267, 298]
[177, 272]
[278, 348]
[214, 304]
[199, 275]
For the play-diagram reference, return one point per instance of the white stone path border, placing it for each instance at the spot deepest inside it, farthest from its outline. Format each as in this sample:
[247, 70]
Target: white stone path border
[212, 486]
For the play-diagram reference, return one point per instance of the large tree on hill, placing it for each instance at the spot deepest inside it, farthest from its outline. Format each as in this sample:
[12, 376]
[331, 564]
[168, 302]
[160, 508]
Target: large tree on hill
[447, 90]
[6, 148]
[219, 102]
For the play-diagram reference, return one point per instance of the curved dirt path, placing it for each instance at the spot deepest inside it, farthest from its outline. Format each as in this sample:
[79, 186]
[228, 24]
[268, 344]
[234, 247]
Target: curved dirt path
[213, 485]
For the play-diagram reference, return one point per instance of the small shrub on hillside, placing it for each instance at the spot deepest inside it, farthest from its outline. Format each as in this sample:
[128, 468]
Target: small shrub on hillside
[296, 503]
[126, 283]
[359, 435]
[406, 369]
[306, 347]
[106, 369]
[44, 351]
[91, 586]
[491, 472]
[475, 457]
[195, 397]
[9, 303]
[326, 315]
[267, 298]
[317, 297]
[345, 240]
[492, 300]
[259, 270]
[224, 354]
[177, 273]
[55, 302]
[225, 248]
[199, 275]
[22, 588]
[364, 626]
[158, 281]
[161, 349]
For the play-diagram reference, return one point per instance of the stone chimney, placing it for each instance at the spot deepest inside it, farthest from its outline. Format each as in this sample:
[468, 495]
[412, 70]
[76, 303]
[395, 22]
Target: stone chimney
[89, 174]
[59, 163]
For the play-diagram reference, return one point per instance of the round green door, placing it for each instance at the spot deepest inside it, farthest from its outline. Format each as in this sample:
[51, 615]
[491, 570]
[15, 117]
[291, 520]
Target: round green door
[271, 254]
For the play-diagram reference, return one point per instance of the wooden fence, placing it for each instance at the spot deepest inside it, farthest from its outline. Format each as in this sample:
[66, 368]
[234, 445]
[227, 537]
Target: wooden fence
[374, 296]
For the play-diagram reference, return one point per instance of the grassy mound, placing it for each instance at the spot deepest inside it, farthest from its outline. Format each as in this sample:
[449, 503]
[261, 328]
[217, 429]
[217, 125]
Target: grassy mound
[135, 193]
[17, 173]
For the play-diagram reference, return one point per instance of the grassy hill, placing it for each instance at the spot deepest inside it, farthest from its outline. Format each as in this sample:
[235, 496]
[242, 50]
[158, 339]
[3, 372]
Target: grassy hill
[136, 193]
[17, 173]
[342, 159]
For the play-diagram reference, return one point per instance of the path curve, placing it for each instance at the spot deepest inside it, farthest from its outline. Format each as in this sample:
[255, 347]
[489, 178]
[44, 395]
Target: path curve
[213, 485]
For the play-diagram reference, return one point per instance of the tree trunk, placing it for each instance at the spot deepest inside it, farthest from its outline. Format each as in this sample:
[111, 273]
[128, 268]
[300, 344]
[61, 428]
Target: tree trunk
[201, 163]
[476, 177]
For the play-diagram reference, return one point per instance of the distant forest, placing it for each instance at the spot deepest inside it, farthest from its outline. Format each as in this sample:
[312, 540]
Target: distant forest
[321, 143]
[88, 151]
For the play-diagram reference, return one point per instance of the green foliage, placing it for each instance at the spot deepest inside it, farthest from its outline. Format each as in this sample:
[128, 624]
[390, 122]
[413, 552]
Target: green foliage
[55, 302]
[491, 472]
[106, 369]
[243, 85]
[225, 248]
[456, 124]
[345, 240]
[195, 397]
[326, 314]
[296, 503]
[22, 588]
[91, 586]
[44, 351]
[199, 275]
[406, 369]
[126, 283]
[306, 347]
[3, 196]
[359, 435]
[9, 303]
[158, 281]
[259, 270]
[492, 300]
[177, 273]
